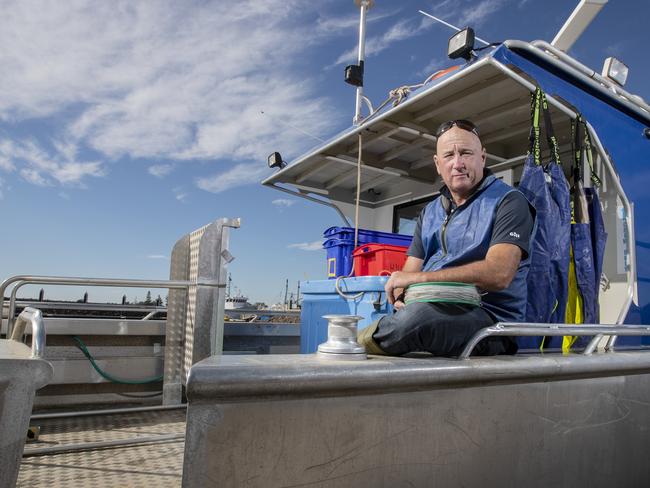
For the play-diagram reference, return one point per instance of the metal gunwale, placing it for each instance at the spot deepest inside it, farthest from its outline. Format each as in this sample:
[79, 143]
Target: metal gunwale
[241, 380]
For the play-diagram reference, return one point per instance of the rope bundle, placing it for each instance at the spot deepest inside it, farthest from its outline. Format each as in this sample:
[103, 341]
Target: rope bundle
[449, 292]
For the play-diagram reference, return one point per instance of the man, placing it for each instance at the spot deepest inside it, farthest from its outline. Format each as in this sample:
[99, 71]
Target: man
[476, 231]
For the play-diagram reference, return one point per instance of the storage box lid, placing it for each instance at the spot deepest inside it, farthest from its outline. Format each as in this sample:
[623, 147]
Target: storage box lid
[371, 234]
[347, 285]
[372, 248]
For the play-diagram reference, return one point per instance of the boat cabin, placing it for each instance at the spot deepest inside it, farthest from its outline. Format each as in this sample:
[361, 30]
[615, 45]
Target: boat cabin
[398, 176]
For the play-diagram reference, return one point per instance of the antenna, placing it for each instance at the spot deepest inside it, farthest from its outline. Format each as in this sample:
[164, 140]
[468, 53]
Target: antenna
[577, 22]
[302, 131]
[451, 25]
[354, 72]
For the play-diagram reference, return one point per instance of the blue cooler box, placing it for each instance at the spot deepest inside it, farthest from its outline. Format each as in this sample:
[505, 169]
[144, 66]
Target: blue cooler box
[320, 298]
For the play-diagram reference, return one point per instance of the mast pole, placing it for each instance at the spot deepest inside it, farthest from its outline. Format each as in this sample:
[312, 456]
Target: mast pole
[364, 6]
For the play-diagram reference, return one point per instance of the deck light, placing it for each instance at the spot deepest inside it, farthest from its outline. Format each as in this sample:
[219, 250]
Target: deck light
[615, 70]
[461, 44]
[275, 161]
[354, 74]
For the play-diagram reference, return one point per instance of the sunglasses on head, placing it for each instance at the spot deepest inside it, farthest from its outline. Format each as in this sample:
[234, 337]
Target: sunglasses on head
[460, 123]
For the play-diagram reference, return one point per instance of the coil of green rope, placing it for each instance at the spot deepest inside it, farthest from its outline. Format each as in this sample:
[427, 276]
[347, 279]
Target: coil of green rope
[444, 292]
[82, 347]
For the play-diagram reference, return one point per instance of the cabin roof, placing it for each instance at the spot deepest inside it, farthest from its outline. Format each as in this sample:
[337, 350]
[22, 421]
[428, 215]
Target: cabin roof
[399, 142]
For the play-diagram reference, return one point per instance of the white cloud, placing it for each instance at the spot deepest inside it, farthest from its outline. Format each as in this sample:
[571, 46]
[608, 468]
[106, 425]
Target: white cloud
[404, 29]
[477, 14]
[444, 6]
[160, 170]
[5, 162]
[434, 65]
[348, 23]
[307, 246]
[33, 176]
[180, 194]
[466, 13]
[283, 202]
[241, 174]
[46, 167]
[180, 80]
[73, 172]
[615, 49]
[328, 25]
[157, 256]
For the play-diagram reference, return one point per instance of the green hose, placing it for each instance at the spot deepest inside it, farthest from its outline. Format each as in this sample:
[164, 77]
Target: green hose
[105, 375]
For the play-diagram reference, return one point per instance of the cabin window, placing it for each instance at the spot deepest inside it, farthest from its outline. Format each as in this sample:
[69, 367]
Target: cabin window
[406, 214]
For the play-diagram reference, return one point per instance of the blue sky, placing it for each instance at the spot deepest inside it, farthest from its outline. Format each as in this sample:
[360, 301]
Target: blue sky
[125, 125]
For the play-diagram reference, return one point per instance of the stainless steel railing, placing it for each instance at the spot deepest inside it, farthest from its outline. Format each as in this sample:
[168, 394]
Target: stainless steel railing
[55, 306]
[34, 317]
[21, 280]
[528, 329]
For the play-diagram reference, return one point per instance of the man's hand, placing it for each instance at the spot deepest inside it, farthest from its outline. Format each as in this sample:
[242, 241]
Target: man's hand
[397, 282]
[398, 298]
[395, 290]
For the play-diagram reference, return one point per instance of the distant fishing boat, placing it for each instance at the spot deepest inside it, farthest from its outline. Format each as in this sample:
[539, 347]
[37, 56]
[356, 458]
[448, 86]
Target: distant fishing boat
[238, 302]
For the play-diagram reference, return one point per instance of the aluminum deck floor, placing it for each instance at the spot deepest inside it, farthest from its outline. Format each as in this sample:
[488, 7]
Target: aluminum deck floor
[140, 465]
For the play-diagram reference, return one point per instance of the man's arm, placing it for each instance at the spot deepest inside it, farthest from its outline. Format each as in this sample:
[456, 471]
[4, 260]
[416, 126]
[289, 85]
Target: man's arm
[493, 273]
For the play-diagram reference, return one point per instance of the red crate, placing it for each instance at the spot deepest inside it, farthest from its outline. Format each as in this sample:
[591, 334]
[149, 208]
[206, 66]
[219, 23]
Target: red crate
[378, 259]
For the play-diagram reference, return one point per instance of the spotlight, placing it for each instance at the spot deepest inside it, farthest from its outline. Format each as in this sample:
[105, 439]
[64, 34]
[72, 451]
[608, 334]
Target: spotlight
[461, 44]
[615, 70]
[275, 161]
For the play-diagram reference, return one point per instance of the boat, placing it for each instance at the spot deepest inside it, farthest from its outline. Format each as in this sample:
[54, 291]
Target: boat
[238, 303]
[531, 419]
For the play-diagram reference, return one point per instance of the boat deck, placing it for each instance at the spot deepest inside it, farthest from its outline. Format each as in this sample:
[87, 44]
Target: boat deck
[157, 459]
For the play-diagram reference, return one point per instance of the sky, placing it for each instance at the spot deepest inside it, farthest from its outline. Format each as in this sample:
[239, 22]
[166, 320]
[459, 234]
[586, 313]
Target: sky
[125, 125]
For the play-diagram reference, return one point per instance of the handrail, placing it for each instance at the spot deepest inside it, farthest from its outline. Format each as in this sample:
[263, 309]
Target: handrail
[34, 317]
[617, 89]
[22, 280]
[631, 106]
[129, 307]
[90, 306]
[513, 329]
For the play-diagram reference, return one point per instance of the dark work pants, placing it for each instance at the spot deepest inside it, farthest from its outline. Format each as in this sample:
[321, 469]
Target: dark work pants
[443, 329]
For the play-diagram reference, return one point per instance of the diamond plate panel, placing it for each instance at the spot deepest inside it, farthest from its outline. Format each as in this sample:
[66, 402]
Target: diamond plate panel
[158, 464]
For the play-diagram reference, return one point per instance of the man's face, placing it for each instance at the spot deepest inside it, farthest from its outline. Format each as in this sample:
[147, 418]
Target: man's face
[460, 159]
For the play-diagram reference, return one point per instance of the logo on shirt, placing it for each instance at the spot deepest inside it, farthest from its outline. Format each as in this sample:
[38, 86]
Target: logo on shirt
[515, 235]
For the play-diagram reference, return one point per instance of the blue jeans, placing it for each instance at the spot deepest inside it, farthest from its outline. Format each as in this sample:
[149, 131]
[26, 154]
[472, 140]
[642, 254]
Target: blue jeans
[443, 329]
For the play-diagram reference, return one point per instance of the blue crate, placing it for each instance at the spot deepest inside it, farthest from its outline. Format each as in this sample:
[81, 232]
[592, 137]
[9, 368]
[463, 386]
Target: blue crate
[320, 298]
[339, 257]
[339, 245]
